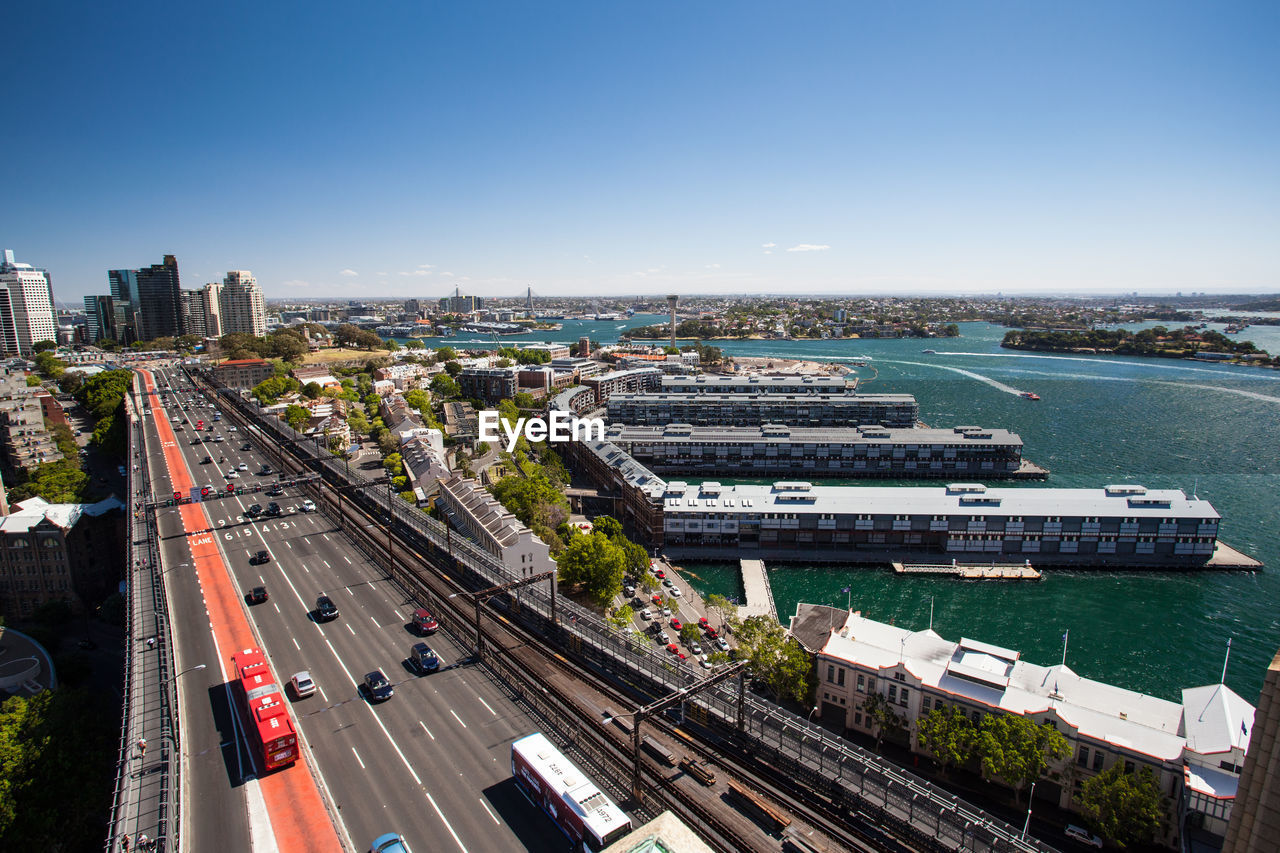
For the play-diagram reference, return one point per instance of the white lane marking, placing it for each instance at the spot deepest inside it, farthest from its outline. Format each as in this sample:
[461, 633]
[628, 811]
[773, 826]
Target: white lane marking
[305, 569]
[427, 730]
[375, 622]
[326, 563]
[290, 544]
[276, 606]
[447, 825]
[326, 536]
[459, 719]
[490, 811]
[322, 696]
[357, 755]
[348, 559]
[352, 630]
[486, 704]
[345, 671]
[295, 643]
[350, 593]
[261, 836]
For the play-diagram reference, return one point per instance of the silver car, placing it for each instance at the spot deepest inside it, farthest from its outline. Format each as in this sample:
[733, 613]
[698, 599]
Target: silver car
[302, 684]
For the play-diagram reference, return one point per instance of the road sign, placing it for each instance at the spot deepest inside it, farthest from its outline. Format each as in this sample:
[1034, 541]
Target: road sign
[195, 494]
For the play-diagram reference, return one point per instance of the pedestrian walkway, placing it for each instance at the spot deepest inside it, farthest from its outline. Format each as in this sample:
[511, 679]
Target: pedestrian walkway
[146, 801]
[758, 593]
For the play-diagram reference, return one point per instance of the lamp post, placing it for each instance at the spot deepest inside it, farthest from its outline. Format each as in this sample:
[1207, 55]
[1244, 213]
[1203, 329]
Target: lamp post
[189, 669]
[1027, 823]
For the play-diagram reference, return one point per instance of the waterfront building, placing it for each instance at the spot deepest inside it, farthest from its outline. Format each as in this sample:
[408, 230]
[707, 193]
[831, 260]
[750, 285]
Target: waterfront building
[732, 409]
[1194, 747]
[475, 512]
[553, 350]
[864, 451]
[241, 306]
[26, 307]
[794, 383]
[584, 367]
[1117, 525]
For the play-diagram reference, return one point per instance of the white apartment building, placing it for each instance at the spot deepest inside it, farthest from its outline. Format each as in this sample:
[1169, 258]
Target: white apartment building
[26, 307]
[486, 522]
[241, 304]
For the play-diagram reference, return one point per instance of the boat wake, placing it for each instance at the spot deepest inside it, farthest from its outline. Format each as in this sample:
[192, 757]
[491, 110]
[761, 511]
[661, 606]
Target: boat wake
[1240, 392]
[1163, 364]
[999, 386]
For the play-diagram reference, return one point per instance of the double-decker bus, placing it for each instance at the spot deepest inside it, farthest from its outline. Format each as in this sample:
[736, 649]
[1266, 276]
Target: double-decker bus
[269, 729]
[566, 794]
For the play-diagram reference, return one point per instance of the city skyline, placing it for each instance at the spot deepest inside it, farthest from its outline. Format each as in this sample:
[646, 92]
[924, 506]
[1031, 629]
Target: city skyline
[823, 149]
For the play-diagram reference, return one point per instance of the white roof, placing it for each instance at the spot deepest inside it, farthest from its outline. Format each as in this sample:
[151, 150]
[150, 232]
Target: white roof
[1000, 679]
[939, 500]
[34, 510]
[576, 788]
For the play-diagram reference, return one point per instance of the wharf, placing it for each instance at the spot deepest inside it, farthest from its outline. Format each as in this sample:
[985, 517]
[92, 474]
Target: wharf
[759, 595]
[972, 571]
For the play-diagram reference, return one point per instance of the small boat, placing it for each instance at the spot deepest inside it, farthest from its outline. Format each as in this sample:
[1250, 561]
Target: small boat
[1029, 395]
[929, 351]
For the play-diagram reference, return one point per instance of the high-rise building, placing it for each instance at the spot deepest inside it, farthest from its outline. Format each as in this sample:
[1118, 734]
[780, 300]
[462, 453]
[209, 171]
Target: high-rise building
[212, 294]
[26, 306]
[100, 312]
[125, 302]
[195, 316]
[148, 301]
[243, 308]
[413, 306]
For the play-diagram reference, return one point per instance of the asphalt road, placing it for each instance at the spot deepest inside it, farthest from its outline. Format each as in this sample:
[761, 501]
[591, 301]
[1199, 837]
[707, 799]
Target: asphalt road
[432, 763]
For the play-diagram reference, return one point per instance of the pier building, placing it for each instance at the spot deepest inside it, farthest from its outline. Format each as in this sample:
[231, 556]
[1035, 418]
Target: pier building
[756, 409]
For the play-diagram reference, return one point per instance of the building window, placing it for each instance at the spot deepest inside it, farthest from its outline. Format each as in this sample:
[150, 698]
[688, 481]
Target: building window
[840, 677]
[831, 673]
[893, 692]
[1128, 767]
[1082, 758]
[861, 683]
[857, 719]
[903, 698]
[1097, 759]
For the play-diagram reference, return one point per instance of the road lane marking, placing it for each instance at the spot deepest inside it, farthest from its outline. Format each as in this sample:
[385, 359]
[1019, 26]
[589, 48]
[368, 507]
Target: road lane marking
[375, 622]
[427, 730]
[357, 755]
[490, 811]
[350, 593]
[447, 825]
[348, 559]
[295, 643]
[486, 704]
[276, 606]
[352, 630]
[326, 563]
[459, 719]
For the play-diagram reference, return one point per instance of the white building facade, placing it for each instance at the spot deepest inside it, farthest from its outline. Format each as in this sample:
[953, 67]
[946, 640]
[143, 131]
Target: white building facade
[242, 307]
[26, 307]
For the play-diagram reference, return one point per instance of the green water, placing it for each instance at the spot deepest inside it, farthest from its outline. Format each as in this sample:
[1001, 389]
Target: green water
[1202, 427]
[1163, 424]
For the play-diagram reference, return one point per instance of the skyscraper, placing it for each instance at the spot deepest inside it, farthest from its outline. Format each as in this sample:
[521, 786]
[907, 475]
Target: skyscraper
[243, 308]
[159, 301]
[101, 314]
[124, 303]
[26, 306]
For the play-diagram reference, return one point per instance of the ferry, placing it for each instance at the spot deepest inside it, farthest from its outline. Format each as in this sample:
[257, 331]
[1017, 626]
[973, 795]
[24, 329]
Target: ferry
[1029, 395]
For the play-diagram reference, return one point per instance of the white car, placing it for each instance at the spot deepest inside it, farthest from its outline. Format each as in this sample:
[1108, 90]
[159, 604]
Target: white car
[308, 505]
[675, 592]
[722, 644]
[302, 684]
[242, 467]
[645, 615]
[1082, 835]
[666, 613]
[696, 648]
[232, 475]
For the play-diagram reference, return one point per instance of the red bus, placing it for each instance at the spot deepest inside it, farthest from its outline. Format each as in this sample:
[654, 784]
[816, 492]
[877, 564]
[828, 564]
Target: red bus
[581, 810]
[269, 729]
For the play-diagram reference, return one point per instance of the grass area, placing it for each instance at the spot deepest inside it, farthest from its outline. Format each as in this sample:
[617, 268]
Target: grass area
[329, 356]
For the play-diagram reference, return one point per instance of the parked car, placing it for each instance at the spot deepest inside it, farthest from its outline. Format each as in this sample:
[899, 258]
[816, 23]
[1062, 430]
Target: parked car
[675, 592]
[645, 615]
[722, 644]
[302, 685]
[703, 623]
[673, 648]
[666, 613]
[629, 591]
[422, 659]
[326, 610]
[257, 595]
[676, 624]
[260, 558]
[660, 574]
[377, 687]
[695, 647]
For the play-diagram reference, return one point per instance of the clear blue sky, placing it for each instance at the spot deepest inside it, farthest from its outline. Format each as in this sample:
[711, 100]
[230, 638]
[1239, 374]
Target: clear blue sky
[614, 148]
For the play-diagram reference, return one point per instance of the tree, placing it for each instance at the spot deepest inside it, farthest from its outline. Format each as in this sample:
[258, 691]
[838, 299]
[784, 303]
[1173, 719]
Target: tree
[1123, 808]
[948, 735]
[43, 346]
[452, 368]
[393, 463]
[1013, 748]
[524, 400]
[882, 713]
[776, 659]
[312, 390]
[593, 563]
[388, 442]
[414, 343]
[608, 525]
[296, 416]
[445, 386]
[622, 617]
[726, 609]
[269, 390]
[444, 354]
[690, 633]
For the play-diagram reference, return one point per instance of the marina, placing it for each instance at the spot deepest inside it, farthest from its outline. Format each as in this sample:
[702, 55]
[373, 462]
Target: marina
[758, 595]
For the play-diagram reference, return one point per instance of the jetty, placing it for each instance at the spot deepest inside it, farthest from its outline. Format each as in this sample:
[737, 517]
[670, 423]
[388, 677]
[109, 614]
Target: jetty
[972, 571]
[759, 595]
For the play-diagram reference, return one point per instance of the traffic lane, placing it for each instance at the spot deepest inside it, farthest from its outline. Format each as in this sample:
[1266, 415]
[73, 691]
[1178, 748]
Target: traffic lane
[441, 706]
[341, 737]
[210, 749]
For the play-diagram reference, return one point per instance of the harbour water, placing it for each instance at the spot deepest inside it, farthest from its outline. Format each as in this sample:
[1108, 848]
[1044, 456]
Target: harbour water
[1205, 428]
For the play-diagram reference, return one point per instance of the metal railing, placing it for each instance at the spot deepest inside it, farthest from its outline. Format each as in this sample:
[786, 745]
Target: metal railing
[872, 790]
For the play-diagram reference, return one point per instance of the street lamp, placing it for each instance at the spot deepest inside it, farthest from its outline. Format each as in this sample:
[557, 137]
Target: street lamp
[1026, 824]
[189, 669]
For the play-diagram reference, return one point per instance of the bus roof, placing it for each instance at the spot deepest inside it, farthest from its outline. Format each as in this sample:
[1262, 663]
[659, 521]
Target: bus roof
[597, 811]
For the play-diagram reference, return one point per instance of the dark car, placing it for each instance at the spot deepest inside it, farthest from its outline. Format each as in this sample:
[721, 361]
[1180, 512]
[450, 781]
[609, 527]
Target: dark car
[326, 610]
[275, 491]
[377, 687]
[247, 447]
[266, 469]
[259, 558]
[206, 460]
[257, 595]
[422, 659]
[273, 508]
[424, 623]
[254, 511]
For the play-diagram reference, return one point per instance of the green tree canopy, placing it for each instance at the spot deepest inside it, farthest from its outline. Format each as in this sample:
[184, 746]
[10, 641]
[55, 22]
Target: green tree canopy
[296, 416]
[445, 386]
[446, 354]
[1124, 808]
[1017, 750]
[593, 563]
[773, 657]
[948, 735]
[269, 390]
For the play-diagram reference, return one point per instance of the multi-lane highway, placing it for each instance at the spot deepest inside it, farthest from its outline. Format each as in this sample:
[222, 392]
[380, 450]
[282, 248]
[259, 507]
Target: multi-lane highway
[431, 763]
